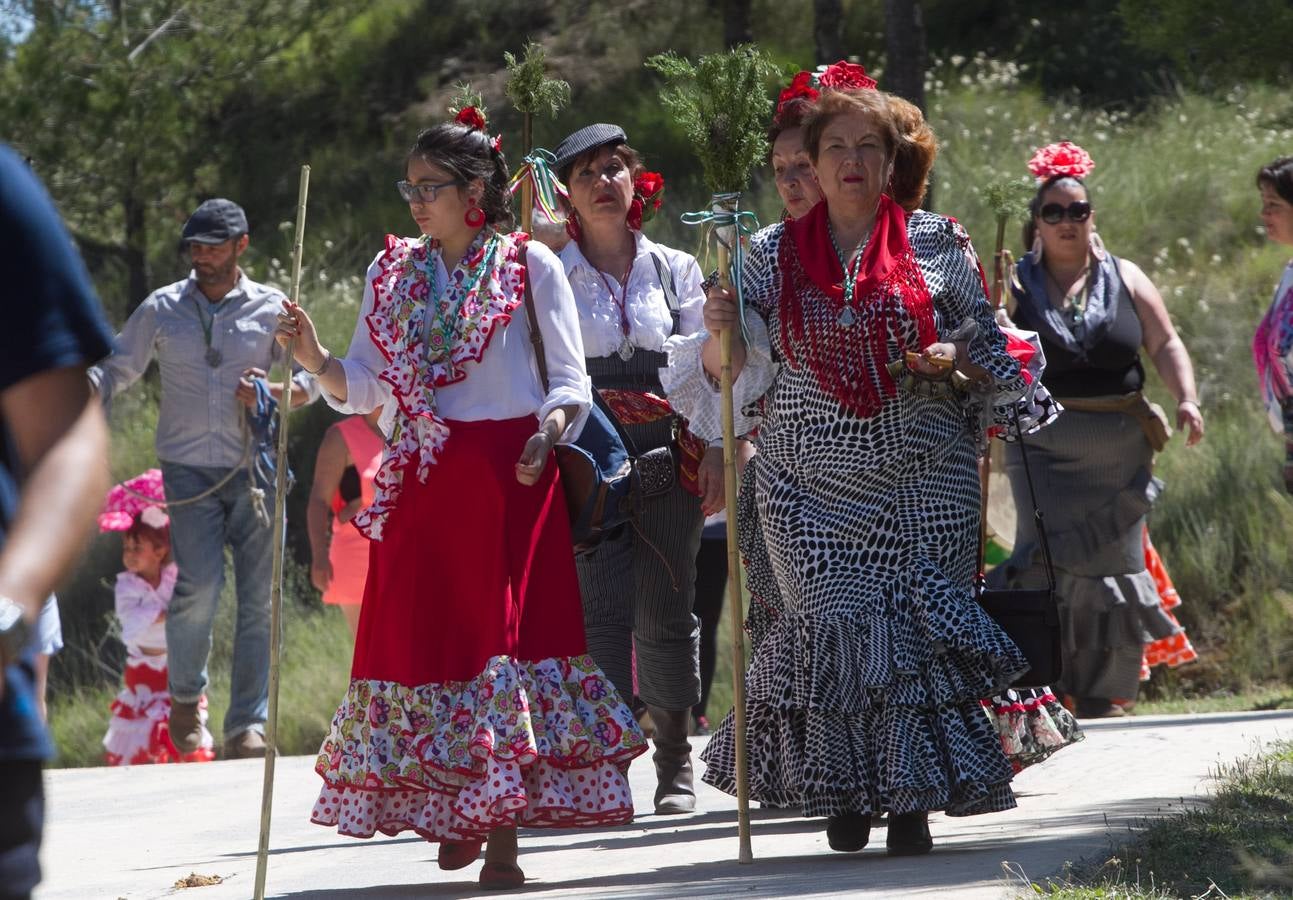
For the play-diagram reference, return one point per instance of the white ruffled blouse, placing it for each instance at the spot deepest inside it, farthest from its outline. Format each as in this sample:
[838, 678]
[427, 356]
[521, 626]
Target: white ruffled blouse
[505, 383]
[645, 307]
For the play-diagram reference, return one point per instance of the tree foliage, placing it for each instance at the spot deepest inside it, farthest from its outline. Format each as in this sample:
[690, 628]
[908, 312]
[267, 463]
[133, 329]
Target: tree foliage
[120, 106]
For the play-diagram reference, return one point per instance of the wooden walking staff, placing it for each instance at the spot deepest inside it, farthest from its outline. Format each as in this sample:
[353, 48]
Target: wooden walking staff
[276, 578]
[531, 91]
[1007, 198]
[722, 104]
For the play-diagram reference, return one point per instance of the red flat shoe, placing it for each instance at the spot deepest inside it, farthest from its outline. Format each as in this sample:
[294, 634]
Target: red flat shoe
[500, 876]
[458, 854]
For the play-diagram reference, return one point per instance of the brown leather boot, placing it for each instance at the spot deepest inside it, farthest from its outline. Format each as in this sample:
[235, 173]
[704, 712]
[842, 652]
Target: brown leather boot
[249, 744]
[185, 726]
[674, 793]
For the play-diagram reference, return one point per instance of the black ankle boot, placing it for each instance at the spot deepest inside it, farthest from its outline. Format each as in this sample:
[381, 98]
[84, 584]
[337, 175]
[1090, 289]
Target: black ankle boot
[848, 832]
[909, 834]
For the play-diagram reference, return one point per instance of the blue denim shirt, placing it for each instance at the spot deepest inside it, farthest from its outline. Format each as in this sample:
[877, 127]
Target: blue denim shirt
[200, 422]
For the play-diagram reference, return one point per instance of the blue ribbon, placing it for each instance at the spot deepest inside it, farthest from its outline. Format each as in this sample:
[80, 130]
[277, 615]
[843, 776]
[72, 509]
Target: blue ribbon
[744, 223]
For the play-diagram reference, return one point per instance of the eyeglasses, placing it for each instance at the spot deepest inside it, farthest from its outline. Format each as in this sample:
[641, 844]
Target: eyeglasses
[1078, 211]
[424, 192]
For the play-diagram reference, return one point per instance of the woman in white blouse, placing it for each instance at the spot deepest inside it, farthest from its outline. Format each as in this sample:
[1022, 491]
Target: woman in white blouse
[633, 296]
[473, 706]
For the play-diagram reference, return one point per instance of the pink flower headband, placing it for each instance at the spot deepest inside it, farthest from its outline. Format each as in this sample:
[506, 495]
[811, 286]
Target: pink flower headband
[1060, 160]
[140, 498]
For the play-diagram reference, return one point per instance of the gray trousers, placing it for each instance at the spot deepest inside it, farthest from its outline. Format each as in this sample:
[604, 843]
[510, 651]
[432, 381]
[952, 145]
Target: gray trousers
[631, 600]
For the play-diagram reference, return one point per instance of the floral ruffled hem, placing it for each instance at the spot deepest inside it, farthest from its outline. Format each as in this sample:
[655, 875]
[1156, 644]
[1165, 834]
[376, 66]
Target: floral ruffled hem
[1032, 724]
[524, 743]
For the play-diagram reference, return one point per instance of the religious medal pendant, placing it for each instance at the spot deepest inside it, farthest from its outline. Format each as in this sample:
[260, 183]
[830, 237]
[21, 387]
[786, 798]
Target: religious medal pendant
[213, 357]
[625, 349]
[847, 318]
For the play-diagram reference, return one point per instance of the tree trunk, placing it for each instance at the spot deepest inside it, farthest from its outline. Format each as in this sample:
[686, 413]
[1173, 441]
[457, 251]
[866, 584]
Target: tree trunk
[904, 44]
[736, 23]
[136, 227]
[904, 41]
[828, 22]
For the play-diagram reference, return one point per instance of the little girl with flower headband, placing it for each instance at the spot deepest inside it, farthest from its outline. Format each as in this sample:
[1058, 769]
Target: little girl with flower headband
[137, 731]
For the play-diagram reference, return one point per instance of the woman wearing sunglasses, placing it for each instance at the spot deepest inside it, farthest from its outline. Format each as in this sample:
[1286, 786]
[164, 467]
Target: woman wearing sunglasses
[1096, 315]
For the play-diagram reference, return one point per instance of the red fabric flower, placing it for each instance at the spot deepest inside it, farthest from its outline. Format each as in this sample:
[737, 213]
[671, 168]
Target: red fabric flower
[792, 100]
[1063, 158]
[846, 76]
[648, 194]
[471, 117]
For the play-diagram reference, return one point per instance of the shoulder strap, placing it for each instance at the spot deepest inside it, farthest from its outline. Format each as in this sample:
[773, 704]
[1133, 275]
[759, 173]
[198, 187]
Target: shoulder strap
[1038, 518]
[665, 274]
[536, 336]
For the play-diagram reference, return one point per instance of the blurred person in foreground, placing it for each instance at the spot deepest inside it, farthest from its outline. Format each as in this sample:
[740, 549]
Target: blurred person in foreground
[53, 472]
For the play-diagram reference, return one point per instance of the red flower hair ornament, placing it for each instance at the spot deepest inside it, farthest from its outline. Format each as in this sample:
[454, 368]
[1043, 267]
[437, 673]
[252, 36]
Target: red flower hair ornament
[474, 119]
[845, 75]
[801, 91]
[648, 194]
[1059, 160]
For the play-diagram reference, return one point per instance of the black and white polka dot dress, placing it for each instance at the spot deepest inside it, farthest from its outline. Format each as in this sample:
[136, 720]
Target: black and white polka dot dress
[863, 693]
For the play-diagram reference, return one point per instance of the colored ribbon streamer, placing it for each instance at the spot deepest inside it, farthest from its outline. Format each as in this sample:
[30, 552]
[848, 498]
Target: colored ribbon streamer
[728, 221]
[547, 186]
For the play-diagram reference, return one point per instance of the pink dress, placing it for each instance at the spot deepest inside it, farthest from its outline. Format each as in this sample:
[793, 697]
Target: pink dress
[348, 552]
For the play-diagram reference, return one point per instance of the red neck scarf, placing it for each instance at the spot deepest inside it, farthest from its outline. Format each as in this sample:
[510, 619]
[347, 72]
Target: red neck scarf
[849, 360]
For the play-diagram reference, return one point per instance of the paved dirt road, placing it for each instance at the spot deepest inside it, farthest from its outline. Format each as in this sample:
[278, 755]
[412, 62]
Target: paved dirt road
[132, 832]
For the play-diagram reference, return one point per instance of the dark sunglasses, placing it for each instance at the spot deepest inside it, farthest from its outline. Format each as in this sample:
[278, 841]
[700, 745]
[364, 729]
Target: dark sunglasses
[1078, 211]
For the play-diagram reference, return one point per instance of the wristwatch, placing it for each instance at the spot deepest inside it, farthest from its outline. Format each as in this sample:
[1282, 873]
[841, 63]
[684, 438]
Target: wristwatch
[14, 630]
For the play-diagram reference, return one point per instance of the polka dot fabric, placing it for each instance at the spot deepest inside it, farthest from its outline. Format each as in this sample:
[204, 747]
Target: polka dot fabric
[525, 743]
[863, 693]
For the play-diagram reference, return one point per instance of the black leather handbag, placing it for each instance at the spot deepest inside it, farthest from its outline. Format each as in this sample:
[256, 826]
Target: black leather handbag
[1029, 617]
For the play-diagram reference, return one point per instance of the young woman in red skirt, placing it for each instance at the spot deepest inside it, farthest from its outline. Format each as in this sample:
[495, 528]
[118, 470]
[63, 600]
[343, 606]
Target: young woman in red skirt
[473, 706]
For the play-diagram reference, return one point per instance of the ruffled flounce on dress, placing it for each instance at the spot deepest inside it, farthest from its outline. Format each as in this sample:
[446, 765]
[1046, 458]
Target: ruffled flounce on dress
[534, 744]
[139, 729]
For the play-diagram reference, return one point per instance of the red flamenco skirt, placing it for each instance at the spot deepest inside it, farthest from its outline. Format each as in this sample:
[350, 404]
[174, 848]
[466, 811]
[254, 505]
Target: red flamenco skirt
[1175, 649]
[473, 704]
[138, 732]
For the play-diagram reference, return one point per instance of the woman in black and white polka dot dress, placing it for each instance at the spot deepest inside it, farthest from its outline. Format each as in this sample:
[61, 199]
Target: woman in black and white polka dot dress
[864, 695]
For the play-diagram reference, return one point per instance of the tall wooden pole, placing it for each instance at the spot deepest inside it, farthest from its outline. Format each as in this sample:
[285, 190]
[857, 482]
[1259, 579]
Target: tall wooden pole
[527, 182]
[727, 237]
[276, 578]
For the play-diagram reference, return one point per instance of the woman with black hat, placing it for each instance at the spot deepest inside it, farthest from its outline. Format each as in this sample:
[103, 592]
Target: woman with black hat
[633, 295]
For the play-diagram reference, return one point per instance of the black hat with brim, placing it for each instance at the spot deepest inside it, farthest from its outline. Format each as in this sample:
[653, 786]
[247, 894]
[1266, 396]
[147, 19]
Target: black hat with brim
[590, 137]
[214, 222]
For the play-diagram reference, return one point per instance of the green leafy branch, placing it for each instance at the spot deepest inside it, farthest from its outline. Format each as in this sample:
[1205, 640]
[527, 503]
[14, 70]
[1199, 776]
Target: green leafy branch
[722, 105]
[1008, 198]
[529, 88]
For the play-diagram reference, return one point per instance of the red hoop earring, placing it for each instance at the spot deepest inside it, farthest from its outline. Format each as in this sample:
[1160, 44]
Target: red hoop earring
[474, 216]
[572, 227]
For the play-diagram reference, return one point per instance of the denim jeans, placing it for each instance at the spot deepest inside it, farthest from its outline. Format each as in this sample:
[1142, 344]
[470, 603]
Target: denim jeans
[199, 532]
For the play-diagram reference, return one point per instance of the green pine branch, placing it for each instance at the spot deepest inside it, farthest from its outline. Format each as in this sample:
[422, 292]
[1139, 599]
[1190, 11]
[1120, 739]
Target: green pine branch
[1008, 198]
[528, 86]
[721, 103]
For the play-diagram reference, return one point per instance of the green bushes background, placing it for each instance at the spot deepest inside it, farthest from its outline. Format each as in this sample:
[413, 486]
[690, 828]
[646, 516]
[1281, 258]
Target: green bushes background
[1176, 153]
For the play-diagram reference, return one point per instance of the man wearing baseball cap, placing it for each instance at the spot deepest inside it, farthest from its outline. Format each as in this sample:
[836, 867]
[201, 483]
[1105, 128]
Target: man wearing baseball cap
[212, 335]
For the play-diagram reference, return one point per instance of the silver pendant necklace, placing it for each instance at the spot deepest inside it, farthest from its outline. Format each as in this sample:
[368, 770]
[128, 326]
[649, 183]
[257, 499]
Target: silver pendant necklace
[848, 317]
